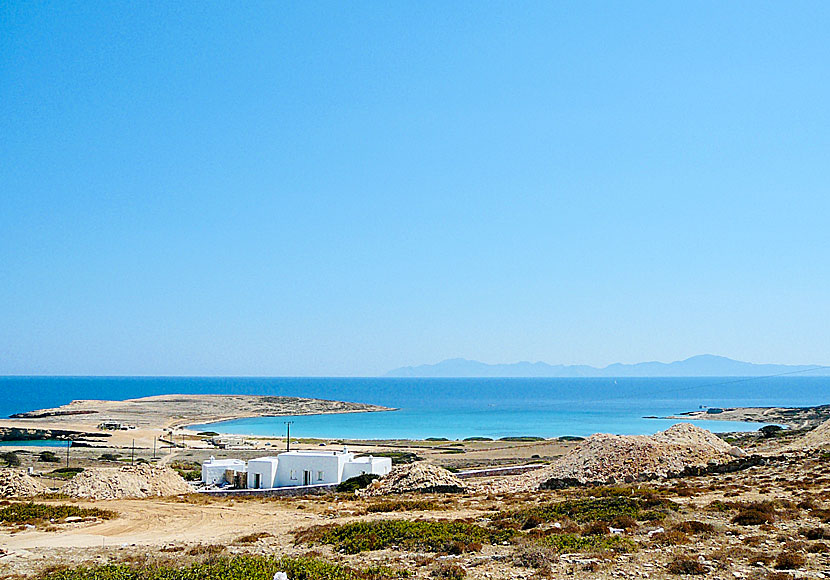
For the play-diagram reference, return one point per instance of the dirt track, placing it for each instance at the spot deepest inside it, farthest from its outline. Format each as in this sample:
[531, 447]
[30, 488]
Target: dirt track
[154, 522]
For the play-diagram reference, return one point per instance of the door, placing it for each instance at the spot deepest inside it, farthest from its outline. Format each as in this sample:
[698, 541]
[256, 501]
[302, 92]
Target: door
[306, 478]
[257, 480]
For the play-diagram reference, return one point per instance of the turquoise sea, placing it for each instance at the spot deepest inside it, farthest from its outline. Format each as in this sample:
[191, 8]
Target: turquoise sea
[452, 408]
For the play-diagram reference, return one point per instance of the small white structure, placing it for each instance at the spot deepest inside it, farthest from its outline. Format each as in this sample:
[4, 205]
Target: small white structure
[214, 470]
[295, 468]
[262, 472]
[368, 464]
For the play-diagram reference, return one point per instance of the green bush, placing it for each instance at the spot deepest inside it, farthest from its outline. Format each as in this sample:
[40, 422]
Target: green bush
[48, 457]
[11, 458]
[571, 543]
[641, 508]
[110, 456]
[230, 568]
[357, 482]
[66, 472]
[399, 457]
[189, 470]
[431, 536]
[30, 513]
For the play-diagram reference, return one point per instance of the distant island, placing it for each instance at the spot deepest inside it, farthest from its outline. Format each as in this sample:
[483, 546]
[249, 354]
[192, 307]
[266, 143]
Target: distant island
[705, 365]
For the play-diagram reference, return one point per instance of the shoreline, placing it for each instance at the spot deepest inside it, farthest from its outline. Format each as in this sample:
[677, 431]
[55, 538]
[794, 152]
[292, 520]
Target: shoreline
[791, 417]
[152, 419]
[148, 419]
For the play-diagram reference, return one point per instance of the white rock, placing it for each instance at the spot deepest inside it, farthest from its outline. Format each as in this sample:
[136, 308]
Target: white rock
[280, 576]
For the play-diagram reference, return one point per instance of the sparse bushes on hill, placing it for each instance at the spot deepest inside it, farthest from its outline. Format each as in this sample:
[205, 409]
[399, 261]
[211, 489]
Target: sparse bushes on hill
[32, 513]
[231, 568]
[433, 536]
[642, 508]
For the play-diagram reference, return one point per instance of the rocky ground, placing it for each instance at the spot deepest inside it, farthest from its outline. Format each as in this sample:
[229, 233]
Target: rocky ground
[771, 521]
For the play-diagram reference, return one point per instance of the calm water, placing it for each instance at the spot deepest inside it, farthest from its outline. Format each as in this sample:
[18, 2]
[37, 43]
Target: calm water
[34, 443]
[452, 408]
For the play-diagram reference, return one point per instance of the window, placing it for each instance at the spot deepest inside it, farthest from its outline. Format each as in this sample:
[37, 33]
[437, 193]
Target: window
[319, 476]
[293, 474]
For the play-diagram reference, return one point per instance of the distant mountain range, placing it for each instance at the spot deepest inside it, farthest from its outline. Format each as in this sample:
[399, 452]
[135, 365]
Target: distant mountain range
[705, 365]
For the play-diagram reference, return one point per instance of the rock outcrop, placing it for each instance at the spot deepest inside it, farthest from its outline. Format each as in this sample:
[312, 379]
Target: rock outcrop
[130, 481]
[416, 478]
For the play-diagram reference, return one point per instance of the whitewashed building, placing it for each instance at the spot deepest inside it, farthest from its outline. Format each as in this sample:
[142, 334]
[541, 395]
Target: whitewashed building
[294, 468]
[220, 471]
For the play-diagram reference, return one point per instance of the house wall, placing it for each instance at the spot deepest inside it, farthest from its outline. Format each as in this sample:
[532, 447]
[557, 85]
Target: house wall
[213, 472]
[323, 468]
[266, 468]
[376, 465]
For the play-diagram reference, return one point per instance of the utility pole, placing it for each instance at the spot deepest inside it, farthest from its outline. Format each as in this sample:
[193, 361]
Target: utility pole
[288, 435]
[154, 446]
[68, 445]
[132, 455]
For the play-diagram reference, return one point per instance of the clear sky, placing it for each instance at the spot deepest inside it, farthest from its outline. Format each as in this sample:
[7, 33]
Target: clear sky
[341, 188]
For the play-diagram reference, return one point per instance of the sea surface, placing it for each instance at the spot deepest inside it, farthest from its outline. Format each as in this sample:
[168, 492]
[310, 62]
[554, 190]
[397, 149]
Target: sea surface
[451, 408]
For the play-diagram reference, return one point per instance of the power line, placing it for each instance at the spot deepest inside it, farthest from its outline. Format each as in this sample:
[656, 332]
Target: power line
[745, 379]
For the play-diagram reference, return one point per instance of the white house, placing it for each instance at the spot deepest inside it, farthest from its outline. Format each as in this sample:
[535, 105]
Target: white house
[312, 468]
[214, 470]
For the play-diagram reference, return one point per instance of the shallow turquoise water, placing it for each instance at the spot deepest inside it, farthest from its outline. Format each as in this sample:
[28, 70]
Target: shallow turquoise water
[34, 443]
[452, 408]
[457, 424]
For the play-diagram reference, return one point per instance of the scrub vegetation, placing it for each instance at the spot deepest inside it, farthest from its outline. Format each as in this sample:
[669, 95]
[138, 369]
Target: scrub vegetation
[230, 568]
[35, 513]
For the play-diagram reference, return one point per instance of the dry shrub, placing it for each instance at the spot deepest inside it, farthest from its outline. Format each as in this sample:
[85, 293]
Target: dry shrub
[789, 561]
[531, 522]
[755, 514]
[807, 504]
[459, 547]
[818, 548]
[685, 565]
[624, 522]
[252, 538]
[818, 533]
[777, 576]
[694, 527]
[449, 571]
[534, 556]
[206, 550]
[596, 528]
[669, 538]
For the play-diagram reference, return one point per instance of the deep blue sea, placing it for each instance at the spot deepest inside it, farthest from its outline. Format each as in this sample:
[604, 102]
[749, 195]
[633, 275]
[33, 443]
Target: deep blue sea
[452, 408]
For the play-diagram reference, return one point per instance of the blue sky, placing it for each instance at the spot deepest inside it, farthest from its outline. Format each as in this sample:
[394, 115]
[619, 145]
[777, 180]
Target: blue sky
[326, 188]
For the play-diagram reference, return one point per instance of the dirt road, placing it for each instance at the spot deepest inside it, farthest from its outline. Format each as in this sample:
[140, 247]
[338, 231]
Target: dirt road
[155, 522]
